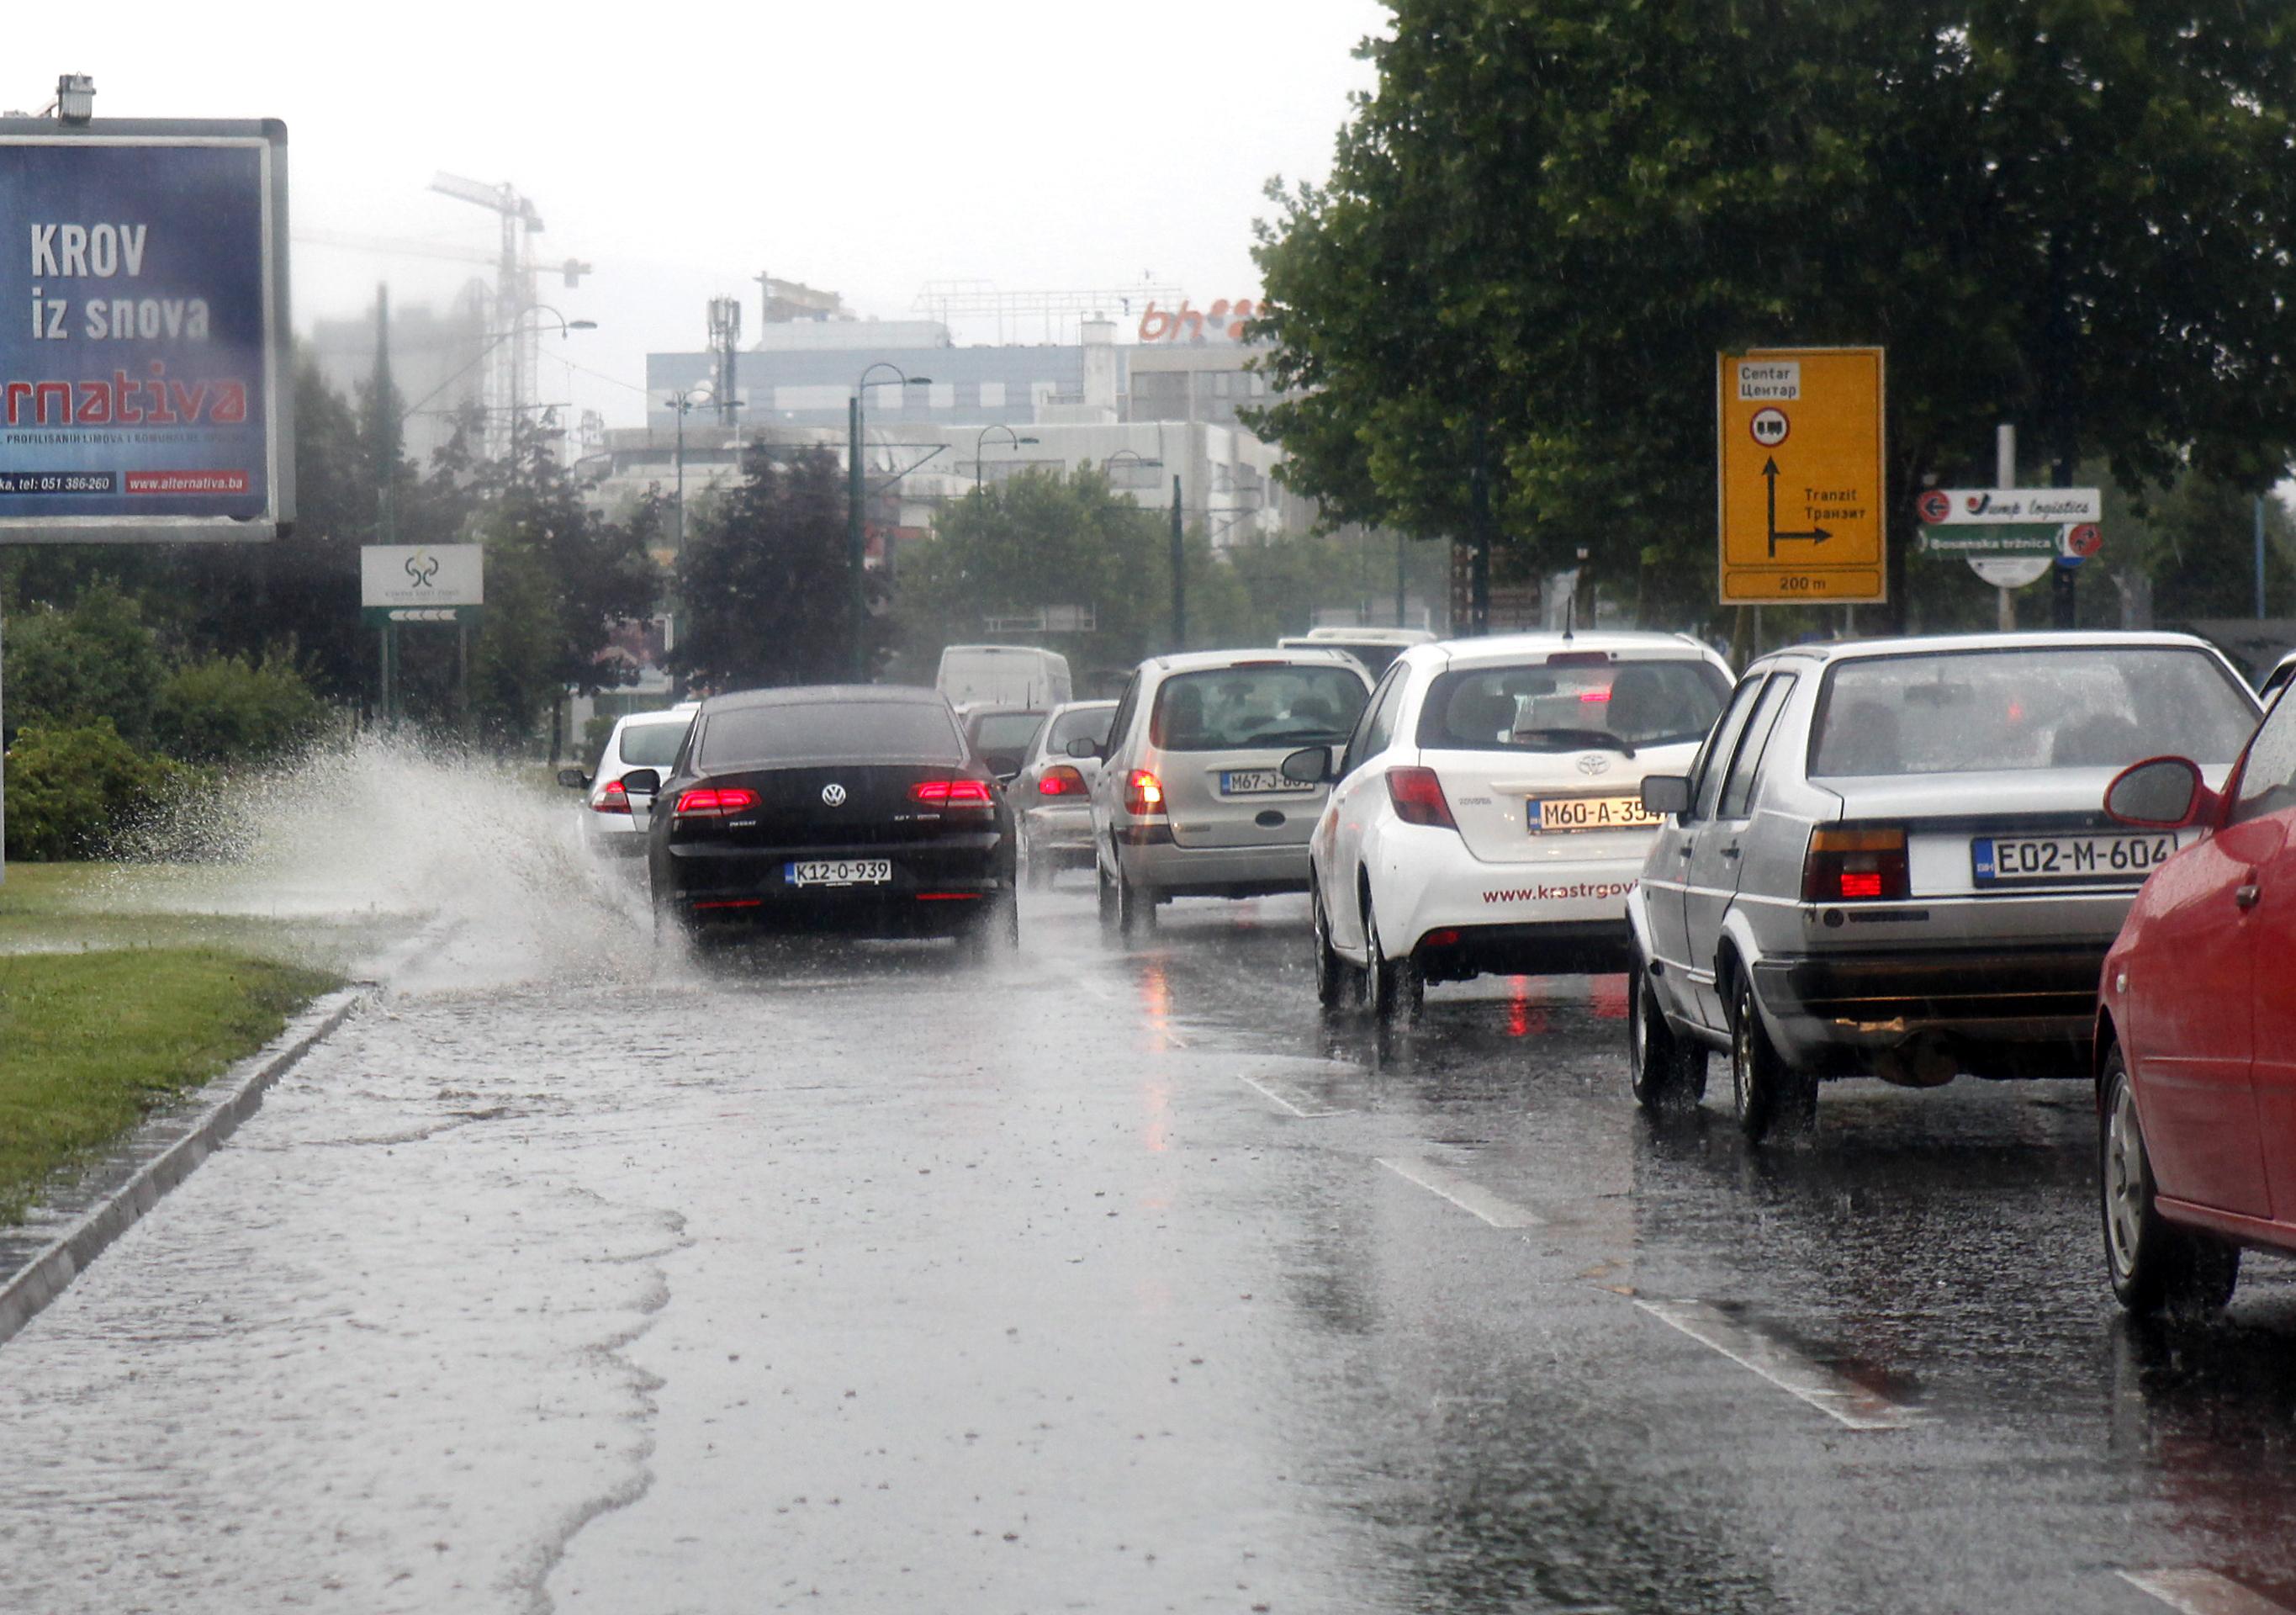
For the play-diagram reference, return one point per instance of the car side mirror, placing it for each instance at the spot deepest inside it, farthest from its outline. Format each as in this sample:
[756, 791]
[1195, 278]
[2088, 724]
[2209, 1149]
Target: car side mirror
[1084, 745]
[642, 781]
[1309, 766]
[2161, 793]
[573, 779]
[1666, 794]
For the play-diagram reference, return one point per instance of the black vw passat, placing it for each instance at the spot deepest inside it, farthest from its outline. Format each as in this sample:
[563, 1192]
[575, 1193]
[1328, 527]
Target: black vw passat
[851, 808]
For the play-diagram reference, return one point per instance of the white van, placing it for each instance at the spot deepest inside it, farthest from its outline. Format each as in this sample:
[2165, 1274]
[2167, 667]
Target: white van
[1003, 676]
[1373, 647]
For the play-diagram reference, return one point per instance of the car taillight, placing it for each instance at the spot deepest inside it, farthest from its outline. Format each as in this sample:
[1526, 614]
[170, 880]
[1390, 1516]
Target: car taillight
[1143, 794]
[1855, 865]
[953, 793]
[1418, 798]
[1062, 781]
[714, 801]
[613, 799]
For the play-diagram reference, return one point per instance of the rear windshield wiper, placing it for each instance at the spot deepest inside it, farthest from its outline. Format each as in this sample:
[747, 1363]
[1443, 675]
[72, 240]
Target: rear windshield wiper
[1588, 739]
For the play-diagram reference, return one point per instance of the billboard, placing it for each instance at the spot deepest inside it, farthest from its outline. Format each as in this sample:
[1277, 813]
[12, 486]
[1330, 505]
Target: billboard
[143, 318]
[421, 582]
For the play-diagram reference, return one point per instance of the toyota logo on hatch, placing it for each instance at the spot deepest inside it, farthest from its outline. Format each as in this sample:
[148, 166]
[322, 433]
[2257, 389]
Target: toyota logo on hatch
[833, 794]
[1593, 763]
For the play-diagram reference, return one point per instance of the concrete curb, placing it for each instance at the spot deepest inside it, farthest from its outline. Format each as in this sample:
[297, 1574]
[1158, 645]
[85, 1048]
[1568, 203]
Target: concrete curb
[25, 1293]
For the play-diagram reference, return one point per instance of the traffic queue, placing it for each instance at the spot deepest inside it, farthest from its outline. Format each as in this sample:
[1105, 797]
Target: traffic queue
[2003, 856]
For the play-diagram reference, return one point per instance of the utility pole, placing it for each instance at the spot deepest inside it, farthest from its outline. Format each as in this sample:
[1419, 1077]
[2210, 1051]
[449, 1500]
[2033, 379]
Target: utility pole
[2005, 475]
[2064, 581]
[1402, 582]
[857, 545]
[725, 341]
[1478, 563]
[1179, 573]
[384, 451]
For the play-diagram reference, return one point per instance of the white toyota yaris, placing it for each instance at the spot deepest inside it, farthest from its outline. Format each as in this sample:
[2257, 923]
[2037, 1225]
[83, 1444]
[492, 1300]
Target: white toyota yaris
[1485, 815]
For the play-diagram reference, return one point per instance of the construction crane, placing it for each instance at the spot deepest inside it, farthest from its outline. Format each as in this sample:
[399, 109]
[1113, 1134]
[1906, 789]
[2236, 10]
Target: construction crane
[510, 339]
[390, 246]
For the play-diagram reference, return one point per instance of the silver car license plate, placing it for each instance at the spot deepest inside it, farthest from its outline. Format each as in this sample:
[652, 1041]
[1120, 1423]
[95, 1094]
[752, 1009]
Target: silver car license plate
[841, 872]
[2047, 860]
[1589, 813]
[1257, 782]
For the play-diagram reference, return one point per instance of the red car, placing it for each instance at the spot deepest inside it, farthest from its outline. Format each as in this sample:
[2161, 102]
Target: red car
[2196, 1030]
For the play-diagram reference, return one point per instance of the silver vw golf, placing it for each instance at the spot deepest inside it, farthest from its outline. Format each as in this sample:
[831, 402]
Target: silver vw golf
[1889, 858]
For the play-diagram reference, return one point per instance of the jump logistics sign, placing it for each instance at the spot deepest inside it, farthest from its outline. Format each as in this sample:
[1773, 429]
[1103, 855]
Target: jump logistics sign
[1799, 494]
[143, 317]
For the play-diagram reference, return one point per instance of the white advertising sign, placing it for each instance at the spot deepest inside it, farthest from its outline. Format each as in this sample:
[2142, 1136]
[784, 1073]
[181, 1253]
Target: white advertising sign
[1991, 506]
[414, 575]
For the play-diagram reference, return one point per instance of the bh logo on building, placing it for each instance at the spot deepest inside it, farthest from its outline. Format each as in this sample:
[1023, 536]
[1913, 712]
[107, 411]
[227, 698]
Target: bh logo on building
[1223, 322]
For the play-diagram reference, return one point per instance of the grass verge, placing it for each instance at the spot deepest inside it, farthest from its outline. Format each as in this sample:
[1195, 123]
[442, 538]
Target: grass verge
[90, 1042]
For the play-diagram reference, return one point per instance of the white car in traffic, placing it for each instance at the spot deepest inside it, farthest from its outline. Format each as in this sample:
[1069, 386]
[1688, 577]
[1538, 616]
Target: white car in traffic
[1486, 814]
[616, 825]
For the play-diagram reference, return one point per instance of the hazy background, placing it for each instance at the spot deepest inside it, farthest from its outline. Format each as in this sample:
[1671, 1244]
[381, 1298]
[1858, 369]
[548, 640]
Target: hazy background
[683, 148]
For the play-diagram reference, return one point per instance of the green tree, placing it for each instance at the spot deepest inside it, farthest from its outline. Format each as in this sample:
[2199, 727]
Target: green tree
[765, 584]
[228, 709]
[1551, 214]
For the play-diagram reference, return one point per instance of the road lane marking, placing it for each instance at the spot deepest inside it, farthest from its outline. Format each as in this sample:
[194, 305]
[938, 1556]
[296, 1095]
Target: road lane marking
[2200, 1593]
[1832, 1394]
[1295, 1101]
[1467, 1196]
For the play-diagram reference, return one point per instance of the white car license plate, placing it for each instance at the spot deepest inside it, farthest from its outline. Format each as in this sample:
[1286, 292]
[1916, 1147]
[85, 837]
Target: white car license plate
[1589, 813]
[2046, 860]
[1257, 782]
[842, 872]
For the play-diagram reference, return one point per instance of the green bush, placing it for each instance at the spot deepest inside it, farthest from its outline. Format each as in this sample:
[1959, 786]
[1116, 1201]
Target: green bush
[95, 661]
[227, 709]
[72, 790]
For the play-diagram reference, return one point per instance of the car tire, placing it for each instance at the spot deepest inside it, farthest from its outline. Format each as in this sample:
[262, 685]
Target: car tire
[2151, 1263]
[1398, 987]
[1665, 1070]
[1136, 908]
[1331, 972]
[1109, 914]
[996, 934]
[1767, 1094]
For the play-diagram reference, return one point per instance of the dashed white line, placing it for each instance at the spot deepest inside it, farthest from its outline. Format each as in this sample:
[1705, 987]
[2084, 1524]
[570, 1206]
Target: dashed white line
[1832, 1394]
[1289, 1102]
[1465, 1195]
[2202, 1593]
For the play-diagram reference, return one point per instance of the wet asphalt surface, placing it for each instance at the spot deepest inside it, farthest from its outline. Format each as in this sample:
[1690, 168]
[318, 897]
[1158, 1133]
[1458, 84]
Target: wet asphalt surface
[869, 1279]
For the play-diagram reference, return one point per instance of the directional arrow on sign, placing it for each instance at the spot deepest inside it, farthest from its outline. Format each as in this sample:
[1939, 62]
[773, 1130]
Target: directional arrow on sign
[1817, 535]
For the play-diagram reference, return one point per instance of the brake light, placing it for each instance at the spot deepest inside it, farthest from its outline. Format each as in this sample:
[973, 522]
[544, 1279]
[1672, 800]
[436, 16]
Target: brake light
[1439, 938]
[613, 799]
[1418, 798]
[953, 793]
[1855, 865]
[714, 801]
[1143, 794]
[1062, 781]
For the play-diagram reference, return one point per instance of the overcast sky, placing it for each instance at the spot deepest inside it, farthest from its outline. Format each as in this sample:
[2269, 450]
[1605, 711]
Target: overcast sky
[865, 146]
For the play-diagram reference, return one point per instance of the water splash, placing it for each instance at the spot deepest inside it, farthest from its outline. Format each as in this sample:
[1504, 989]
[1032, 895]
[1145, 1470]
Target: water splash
[392, 835]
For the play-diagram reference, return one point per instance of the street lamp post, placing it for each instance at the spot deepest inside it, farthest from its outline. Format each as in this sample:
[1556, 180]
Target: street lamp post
[979, 440]
[857, 542]
[518, 321]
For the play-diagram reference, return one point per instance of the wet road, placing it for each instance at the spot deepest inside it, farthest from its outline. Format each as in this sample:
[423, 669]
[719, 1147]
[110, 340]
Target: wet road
[1115, 1281]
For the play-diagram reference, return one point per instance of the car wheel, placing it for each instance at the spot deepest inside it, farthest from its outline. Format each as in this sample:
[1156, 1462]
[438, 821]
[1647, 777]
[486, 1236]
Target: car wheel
[1136, 908]
[1765, 1092]
[1398, 987]
[2151, 1263]
[1106, 886]
[1331, 970]
[996, 934]
[1666, 1071]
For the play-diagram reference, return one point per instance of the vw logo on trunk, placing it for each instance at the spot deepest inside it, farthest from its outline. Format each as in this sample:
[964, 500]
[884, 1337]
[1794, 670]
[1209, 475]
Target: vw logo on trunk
[833, 794]
[1593, 763]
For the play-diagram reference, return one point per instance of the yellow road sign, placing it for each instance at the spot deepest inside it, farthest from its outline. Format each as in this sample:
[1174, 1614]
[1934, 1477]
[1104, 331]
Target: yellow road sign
[1800, 489]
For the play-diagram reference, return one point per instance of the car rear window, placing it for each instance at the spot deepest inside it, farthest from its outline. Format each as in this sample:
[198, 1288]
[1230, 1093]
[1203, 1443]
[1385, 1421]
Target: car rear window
[1090, 723]
[652, 745]
[2074, 707]
[1006, 730]
[1238, 709]
[830, 732]
[1551, 706]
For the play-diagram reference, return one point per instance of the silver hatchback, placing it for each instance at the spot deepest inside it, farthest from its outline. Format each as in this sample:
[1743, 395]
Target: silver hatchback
[1888, 858]
[1193, 800]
